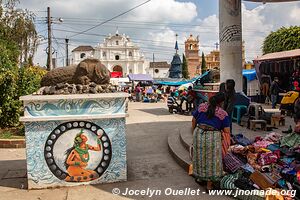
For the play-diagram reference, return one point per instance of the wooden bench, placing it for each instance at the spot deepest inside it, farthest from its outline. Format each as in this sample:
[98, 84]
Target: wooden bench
[262, 123]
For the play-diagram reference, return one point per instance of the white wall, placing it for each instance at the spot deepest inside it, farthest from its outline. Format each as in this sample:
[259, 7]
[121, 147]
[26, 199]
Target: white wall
[162, 72]
[76, 56]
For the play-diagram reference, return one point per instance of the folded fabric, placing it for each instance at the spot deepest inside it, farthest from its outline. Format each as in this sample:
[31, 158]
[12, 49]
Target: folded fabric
[287, 160]
[267, 158]
[244, 183]
[296, 165]
[241, 139]
[227, 181]
[266, 169]
[259, 179]
[237, 149]
[289, 174]
[248, 168]
[264, 181]
[258, 138]
[290, 140]
[273, 137]
[287, 151]
[232, 163]
[276, 168]
[252, 160]
[262, 144]
[273, 147]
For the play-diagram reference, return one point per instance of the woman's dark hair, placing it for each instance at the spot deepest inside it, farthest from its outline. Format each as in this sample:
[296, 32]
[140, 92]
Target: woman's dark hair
[77, 141]
[230, 84]
[213, 102]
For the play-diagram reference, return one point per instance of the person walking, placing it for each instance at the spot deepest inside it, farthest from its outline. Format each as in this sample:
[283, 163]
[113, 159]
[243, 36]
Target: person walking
[138, 93]
[274, 90]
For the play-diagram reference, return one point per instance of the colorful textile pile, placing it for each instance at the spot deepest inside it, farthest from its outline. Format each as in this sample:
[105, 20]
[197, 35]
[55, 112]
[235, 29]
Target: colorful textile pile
[269, 162]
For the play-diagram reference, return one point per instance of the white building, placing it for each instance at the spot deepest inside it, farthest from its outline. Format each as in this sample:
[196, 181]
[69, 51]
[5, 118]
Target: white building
[159, 69]
[117, 53]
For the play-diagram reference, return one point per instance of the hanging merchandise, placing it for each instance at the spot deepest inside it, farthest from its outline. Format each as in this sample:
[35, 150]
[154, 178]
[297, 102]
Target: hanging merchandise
[272, 67]
[287, 66]
[277, 68]
[264, 67]
[281, 69]
[260, 68]
[291, 66]
[268, 67]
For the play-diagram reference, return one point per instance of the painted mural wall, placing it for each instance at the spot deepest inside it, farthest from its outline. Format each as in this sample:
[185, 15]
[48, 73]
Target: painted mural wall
[76, 151]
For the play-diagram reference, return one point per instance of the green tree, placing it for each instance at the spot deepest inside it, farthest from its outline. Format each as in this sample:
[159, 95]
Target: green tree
[282, 40]
[17, 25]
[203, 64]
[185, 71]
[17, 44]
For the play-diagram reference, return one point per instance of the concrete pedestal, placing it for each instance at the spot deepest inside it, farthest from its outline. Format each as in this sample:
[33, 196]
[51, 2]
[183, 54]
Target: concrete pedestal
[231, 42]
[75, 139]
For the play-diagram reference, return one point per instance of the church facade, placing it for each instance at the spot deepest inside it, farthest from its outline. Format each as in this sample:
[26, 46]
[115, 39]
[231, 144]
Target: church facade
[118, 53]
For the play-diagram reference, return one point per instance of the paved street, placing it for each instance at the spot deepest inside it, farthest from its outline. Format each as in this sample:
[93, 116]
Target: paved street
[149, 163]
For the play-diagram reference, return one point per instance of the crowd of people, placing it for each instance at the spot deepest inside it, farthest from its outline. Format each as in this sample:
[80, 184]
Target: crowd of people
[271, 89]
[179, 100]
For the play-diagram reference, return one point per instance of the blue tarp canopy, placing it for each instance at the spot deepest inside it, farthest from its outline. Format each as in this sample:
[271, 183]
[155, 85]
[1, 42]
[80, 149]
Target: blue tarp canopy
[178, 83]
[140, 77]
[250, 74]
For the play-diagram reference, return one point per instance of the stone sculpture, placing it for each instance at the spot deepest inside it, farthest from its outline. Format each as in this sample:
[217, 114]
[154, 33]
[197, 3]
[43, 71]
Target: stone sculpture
[87, 71]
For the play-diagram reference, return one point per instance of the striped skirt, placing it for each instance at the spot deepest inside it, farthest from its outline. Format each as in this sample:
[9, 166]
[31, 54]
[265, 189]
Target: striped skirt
[207, 155]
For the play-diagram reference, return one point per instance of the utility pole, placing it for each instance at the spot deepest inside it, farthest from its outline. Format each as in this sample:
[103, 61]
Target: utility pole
[49, 58]
[67, 52]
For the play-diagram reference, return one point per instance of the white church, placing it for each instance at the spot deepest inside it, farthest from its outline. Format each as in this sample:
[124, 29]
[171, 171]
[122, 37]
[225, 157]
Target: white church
[117, 53]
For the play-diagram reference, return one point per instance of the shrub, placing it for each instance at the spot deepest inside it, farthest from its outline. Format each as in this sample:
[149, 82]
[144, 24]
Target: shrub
[13, 84]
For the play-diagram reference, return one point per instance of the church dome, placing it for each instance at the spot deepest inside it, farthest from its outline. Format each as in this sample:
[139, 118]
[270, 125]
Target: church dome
[191, 39]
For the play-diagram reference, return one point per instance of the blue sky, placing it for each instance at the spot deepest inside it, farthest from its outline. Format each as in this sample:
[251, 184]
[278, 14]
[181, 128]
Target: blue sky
[166, 17]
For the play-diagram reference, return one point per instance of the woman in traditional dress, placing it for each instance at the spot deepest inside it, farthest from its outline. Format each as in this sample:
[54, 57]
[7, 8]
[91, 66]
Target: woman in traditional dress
[78, 158]
[211, 140]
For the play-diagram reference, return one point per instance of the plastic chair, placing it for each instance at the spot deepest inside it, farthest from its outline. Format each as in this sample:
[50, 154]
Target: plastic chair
[238, 111]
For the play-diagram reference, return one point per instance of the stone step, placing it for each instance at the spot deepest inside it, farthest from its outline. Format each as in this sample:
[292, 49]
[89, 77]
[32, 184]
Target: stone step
[178, 151]
[186, 138]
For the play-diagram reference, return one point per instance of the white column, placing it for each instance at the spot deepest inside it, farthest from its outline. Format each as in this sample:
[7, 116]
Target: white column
[230, 27]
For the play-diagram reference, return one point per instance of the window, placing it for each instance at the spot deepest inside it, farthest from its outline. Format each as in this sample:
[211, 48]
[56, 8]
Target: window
[191, 46]
[156, 70]
[117, 42]
[82, 55]
[104, 54]
[130, 53]
[117, 57]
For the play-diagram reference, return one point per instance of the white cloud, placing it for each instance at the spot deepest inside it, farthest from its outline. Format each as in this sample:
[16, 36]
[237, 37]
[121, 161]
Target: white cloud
[157, 11]
[166, 11]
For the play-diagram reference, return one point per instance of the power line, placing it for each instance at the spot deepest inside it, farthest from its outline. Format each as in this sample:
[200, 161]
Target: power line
[110, 19]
